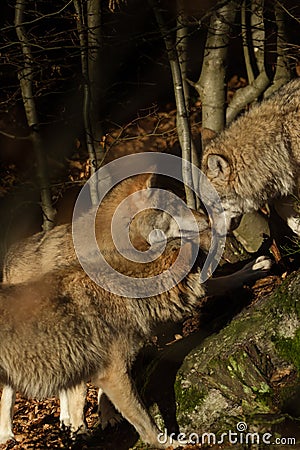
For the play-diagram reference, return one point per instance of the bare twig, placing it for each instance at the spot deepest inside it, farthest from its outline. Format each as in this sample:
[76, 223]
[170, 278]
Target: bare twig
[13, 136]
[43, 16]
[288, 12]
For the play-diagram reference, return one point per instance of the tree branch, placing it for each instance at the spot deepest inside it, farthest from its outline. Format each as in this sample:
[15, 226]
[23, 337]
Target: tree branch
[246, 95]
[13, 136]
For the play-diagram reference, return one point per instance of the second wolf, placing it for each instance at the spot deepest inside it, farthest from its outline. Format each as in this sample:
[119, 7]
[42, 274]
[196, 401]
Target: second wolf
[256, 160]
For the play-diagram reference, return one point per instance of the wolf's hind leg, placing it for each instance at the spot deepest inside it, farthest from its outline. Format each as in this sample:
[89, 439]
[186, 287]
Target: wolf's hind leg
[6, 413]
[118, 386]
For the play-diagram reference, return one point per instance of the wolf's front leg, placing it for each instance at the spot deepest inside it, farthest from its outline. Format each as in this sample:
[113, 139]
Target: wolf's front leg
[119, 387]
[6, 413]
[249, 273]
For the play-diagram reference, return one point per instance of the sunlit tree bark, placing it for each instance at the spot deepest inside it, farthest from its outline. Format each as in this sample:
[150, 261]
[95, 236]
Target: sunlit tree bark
[211, 83]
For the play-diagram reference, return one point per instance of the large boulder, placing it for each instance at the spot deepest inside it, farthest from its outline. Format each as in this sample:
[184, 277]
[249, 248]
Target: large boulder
[245, 378]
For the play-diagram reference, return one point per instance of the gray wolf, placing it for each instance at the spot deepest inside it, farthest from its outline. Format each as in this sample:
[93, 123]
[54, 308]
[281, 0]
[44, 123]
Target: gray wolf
[256, 159]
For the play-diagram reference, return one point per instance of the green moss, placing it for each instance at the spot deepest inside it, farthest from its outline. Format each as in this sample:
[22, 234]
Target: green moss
[187, 398]
[262, 389]
[289, 349]
[286, 296]
[264, 397]
[237, 365]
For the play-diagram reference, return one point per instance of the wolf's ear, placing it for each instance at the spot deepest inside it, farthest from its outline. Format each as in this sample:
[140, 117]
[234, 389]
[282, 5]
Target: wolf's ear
[145, 180]
[150, 179]
[218, 167]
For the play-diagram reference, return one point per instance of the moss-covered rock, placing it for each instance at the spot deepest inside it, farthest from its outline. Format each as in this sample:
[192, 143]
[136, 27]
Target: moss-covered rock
[249, 372]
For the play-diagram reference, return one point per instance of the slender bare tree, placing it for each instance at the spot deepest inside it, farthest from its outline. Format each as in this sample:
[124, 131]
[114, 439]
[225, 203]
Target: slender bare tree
[183, 126]
[25, 75]
[86, 110]
[95, 65]
[283, 69]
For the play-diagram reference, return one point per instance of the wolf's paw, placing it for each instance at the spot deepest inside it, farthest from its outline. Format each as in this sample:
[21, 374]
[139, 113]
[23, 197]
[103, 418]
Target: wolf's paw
[256, 269]
[262, 263]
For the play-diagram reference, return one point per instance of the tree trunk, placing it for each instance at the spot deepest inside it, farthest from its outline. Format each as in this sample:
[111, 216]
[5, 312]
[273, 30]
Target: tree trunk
[95, 65]
[182, 49]
[86, 109]
[283, 71]
[182, 122]
[211, 84]
[26, 78]
[254, 43]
